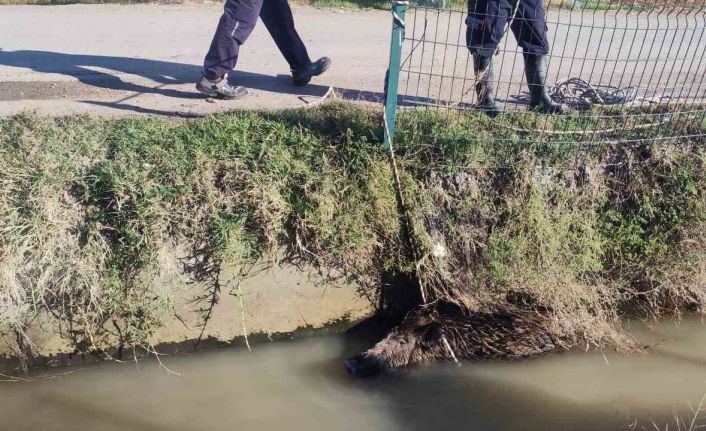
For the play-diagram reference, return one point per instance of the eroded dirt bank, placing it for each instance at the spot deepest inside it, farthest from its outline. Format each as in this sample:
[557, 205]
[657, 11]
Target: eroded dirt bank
[103, 221]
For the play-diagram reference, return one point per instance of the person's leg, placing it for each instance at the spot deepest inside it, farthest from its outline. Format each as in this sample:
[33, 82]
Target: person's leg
[530, 30]
[277, 17]
[530, 27]
[234, 28]
[486, 22]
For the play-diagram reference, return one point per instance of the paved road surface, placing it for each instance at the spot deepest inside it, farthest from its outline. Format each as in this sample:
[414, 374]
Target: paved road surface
[116, 59]
[127, 59]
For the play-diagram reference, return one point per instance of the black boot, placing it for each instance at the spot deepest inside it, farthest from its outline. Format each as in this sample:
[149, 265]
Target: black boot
[302, 76]
[483, 68]
[536, 67]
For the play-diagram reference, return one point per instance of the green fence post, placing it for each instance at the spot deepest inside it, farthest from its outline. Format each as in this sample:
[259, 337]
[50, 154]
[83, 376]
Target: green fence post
[393, 72]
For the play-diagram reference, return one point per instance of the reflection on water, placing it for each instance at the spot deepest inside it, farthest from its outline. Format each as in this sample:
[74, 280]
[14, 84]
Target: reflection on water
[302, 386]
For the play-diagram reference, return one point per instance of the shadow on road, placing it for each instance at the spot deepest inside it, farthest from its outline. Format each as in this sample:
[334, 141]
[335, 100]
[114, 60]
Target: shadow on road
[87, 69]
[105, 72]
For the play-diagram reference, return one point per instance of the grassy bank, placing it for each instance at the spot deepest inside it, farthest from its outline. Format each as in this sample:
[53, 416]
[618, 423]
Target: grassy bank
[575, 230]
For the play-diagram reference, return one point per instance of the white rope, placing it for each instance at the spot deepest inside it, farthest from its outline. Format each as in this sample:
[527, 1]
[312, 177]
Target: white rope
[318, 101]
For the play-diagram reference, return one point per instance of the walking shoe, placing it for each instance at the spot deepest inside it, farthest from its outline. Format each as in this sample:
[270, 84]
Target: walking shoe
[483, 68]
[536, 71]
[303, 76]
[220, 89]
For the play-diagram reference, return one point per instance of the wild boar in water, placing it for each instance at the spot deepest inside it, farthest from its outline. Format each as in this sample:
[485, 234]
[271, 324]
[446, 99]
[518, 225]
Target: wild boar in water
[433, 332]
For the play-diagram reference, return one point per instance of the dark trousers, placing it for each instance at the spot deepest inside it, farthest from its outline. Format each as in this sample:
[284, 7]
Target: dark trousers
[487, 19]
[235, 26]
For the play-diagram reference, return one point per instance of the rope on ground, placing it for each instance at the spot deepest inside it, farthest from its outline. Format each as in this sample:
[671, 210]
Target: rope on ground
[316, 102]
[578, 92]
[583, 94]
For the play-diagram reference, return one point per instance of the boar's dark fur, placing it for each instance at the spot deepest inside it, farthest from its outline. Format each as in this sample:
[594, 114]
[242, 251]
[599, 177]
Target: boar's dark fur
[423, 335]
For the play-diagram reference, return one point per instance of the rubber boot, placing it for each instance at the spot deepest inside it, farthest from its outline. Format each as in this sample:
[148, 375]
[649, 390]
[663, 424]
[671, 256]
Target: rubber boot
[483, 68]
[536, 67]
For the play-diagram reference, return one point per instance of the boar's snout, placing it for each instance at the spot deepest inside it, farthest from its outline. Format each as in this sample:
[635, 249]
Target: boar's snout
[365, 366]
[409, 343]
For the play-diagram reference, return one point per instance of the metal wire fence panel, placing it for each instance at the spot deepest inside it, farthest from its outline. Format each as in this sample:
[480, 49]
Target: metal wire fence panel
[617, 67]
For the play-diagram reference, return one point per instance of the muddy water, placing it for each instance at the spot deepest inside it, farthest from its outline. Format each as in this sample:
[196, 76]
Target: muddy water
[301, 386]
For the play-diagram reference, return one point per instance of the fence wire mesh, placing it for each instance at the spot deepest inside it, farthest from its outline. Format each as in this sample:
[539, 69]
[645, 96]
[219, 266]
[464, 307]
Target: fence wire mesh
[627, 72]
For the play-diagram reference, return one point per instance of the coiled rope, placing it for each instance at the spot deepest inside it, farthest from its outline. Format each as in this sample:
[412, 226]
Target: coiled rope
[582, 94]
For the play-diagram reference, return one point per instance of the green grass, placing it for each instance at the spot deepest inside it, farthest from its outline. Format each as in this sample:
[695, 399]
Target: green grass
[574, 229]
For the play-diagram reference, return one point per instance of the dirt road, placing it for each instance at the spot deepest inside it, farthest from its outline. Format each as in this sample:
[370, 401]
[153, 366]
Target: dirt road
[144, 59]
[118, 59]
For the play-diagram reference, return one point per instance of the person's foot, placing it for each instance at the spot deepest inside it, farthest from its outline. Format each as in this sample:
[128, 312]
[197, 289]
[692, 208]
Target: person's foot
[536, 67]
[302, 76]
[221, 89]
[483, 69]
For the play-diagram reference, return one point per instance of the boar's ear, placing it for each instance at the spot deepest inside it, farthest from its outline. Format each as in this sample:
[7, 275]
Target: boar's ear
[432, 334]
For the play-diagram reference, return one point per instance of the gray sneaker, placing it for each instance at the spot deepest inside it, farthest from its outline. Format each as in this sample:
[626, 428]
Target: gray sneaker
[221, 89]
